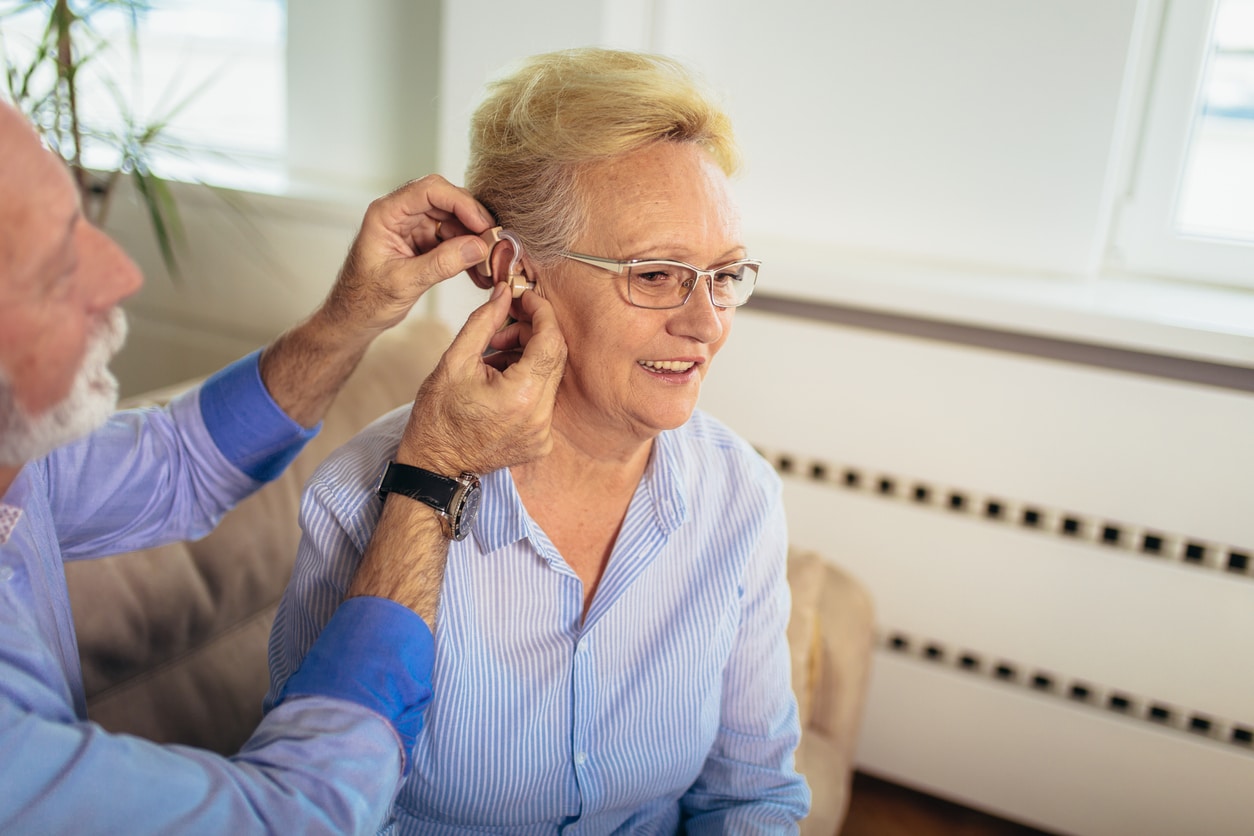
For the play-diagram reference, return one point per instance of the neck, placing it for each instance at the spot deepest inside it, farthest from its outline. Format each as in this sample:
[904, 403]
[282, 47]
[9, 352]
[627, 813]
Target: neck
[582, 458]
[8, 475]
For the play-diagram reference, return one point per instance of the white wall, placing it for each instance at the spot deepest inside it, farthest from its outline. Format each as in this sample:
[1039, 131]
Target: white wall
[974, 131]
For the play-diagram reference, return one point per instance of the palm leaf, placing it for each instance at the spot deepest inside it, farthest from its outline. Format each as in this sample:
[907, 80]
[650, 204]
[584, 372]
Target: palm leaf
[45, 90]
[163, 216]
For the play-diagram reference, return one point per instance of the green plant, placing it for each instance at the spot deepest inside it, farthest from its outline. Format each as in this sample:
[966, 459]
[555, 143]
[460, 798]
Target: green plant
[46, 82]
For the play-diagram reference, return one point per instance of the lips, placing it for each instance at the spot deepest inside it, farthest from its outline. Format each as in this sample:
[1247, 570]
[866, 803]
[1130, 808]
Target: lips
[667, 366]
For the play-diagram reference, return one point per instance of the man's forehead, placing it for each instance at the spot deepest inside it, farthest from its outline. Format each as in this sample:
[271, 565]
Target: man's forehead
[32, 175]
[15, 131]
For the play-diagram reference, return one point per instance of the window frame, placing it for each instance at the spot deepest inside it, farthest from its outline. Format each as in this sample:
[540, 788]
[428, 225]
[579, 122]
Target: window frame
[1145, 241]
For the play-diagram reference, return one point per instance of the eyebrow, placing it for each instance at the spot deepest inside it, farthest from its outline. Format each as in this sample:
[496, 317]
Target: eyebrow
[726, 258]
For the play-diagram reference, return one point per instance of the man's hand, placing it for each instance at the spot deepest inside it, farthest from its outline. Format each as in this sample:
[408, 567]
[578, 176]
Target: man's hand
[396, 257]
[468, 416]
[480, 414]
[410, 240]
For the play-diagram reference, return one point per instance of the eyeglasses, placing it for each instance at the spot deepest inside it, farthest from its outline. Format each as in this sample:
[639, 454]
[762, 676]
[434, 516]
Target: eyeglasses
[662, 284]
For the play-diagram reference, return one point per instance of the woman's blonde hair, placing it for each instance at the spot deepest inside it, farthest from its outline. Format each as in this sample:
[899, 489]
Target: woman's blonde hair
[542, 126]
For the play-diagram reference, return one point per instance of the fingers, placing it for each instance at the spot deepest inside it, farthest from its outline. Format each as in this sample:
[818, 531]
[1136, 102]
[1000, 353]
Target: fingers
[447, 259]
[513, 336]
[502, 360]
[484, 321]
[481, 413]
[544, 355]
[436, 199]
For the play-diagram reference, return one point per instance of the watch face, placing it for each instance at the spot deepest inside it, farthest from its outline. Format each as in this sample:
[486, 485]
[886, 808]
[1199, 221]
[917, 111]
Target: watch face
[464, 520]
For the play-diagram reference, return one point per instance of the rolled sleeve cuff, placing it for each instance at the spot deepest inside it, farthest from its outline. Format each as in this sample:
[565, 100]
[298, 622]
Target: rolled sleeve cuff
[249, 428]
[378, 654]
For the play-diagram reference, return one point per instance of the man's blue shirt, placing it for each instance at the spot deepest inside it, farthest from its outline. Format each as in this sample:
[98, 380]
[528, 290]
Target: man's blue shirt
[327, 759]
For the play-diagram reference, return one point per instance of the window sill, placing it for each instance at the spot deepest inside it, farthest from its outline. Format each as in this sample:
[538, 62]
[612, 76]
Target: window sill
[1180, 319]
[280, 197]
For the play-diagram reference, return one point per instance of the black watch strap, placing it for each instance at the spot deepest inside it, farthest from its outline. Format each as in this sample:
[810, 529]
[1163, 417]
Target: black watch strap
[422, 485]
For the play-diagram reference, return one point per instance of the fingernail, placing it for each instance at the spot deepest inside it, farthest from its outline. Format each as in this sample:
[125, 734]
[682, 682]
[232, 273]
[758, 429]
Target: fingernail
[498, 289]
[472, 251]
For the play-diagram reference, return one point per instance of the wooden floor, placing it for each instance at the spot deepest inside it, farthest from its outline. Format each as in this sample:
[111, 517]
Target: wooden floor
[878, 808]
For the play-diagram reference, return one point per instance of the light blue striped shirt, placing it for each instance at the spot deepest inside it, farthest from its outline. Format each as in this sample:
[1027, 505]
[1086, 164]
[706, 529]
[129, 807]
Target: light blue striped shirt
[669, 708]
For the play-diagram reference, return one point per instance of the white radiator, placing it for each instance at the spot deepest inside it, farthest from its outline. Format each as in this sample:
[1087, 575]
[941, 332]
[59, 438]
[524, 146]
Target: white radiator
[1060, 555]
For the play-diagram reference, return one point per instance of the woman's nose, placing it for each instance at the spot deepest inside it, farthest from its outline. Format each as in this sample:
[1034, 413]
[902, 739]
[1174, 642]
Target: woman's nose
[699, 317]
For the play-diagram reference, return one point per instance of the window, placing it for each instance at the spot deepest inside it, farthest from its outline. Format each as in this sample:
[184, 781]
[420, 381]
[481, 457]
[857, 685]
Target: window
[213, 73]
[1190, 213]
[1217, 193]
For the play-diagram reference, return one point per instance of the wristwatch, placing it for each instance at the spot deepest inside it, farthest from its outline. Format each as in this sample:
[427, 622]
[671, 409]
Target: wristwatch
[457, 500]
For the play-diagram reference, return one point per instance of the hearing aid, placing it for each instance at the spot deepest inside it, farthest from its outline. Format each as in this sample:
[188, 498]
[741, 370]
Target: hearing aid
[516, 278]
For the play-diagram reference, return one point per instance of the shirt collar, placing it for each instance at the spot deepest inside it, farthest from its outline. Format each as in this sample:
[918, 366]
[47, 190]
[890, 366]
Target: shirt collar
[666, 480]
[502, 519]
[9, 516]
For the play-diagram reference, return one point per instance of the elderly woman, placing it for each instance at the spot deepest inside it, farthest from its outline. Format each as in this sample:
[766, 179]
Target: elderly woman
[610, 650]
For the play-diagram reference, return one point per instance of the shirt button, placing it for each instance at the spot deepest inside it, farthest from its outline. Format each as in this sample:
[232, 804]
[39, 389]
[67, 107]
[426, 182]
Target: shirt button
[6, 573]
[581, 758]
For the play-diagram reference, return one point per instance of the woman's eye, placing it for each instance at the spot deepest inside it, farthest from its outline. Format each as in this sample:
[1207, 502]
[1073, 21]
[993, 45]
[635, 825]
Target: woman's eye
[654, 276]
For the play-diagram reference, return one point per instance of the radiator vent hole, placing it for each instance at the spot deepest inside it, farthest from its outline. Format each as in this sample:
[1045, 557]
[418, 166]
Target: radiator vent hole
[1081, 693]
[1078, 527]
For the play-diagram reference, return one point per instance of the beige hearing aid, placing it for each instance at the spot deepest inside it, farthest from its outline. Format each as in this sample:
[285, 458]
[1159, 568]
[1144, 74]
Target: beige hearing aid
[517, 281]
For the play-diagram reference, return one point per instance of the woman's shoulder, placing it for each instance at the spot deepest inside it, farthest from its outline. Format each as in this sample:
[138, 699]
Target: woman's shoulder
[712, 444]
[353, 468]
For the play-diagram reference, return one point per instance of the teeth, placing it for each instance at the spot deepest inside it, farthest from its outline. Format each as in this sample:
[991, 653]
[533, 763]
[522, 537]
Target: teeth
[667, 365]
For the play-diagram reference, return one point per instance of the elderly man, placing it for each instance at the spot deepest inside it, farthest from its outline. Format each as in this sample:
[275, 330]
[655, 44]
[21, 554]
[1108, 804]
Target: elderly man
[78, 480]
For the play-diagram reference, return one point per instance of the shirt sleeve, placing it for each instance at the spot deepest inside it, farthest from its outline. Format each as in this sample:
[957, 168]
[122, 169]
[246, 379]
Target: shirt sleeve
[250, 429]
[338, 514]
[327, 759]
[154, 476]
[749, 783]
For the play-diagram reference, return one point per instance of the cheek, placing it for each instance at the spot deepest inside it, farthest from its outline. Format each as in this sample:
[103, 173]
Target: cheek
[42, 359]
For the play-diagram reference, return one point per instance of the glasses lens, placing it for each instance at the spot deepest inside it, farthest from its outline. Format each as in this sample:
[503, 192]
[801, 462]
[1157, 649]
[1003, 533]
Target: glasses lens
[666, 284]
[659, 284]
[733, 284]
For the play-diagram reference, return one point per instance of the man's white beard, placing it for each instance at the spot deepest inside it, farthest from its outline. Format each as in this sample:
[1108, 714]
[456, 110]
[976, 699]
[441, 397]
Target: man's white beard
[91, 400]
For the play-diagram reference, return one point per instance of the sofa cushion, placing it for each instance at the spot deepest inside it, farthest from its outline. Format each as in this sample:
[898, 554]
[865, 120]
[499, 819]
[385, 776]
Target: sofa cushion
[805, 581]
[830, 633]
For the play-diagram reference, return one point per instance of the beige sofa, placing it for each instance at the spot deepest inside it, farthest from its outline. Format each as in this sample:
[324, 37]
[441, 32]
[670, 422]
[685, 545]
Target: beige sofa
[173, 639]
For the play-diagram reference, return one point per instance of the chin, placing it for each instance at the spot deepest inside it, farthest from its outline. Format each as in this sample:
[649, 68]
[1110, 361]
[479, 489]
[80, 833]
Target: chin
[671, 419]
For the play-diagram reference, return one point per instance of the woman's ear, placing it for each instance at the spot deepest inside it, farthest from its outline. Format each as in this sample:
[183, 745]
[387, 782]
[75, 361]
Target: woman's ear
[505, 262]
[483, 274]
[510, 265]
[519, 280]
